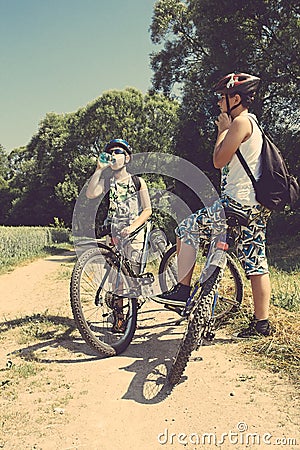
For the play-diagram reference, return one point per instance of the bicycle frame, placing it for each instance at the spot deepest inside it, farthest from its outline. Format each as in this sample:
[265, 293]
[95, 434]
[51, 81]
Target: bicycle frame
[119, 243]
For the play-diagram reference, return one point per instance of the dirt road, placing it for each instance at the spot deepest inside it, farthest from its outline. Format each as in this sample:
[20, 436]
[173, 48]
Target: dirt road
[57, 395]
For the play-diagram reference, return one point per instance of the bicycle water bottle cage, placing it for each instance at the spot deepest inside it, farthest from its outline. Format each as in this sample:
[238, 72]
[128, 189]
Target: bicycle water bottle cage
[235, 218]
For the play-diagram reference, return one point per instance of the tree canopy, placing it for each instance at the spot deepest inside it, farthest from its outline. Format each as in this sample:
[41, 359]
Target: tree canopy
[45, 177]
[201, 40]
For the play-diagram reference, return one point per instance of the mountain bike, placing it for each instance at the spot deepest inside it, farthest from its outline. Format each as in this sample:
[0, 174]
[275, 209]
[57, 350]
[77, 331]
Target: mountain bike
[104, 285]
[209, 303]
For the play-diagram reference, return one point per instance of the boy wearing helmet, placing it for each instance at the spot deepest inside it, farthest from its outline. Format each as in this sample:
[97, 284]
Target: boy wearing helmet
[236, 129]
[129, 203]
[125, 204]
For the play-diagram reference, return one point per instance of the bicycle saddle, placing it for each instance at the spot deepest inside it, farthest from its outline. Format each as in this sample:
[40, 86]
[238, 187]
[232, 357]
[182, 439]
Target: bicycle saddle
[235, 218]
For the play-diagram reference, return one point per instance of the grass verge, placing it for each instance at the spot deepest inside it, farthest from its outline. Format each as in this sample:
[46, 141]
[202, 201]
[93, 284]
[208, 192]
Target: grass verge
[54, 249]
[279, 352]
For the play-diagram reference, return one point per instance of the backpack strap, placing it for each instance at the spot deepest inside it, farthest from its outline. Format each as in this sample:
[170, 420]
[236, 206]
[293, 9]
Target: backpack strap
[246, 167]
[137, 182]
[242, 159]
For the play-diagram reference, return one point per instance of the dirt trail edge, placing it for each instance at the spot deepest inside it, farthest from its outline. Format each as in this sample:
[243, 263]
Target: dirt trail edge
[57, 394]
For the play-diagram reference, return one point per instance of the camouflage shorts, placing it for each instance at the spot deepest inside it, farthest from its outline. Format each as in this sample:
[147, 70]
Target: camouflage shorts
[250, 247]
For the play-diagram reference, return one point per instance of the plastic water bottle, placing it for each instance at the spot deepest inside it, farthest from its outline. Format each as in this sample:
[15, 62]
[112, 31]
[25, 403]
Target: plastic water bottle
[105, 158]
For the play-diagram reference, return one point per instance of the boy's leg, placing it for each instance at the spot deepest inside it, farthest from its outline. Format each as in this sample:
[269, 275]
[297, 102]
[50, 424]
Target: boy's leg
[190, 232]
[132, 251]
[252, 255]
[186, 256]
[261, 291]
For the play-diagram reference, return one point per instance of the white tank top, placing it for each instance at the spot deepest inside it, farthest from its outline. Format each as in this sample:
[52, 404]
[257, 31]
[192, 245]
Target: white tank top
[235, 182]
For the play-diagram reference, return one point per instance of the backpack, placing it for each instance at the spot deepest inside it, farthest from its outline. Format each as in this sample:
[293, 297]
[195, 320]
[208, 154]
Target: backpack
[276, 187]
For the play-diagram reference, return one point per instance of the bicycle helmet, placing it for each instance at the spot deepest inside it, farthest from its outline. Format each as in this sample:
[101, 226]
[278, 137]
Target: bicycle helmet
[118, 143]
[238, 83]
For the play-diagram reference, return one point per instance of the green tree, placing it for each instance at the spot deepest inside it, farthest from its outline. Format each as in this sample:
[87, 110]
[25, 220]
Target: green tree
[47, 175]
[203, 39]
[34, 171]
[200, 40]
[5, 193]
[3, 162]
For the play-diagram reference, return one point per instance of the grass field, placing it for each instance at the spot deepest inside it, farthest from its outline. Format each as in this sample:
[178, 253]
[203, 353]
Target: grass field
[22, 244]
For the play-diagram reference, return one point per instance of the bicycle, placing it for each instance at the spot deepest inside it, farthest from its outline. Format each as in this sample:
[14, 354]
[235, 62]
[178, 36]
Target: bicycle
[205, 307]
[103, 278]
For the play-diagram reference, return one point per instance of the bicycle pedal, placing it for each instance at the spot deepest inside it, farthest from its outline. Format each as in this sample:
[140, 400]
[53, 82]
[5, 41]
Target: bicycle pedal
[146, 278]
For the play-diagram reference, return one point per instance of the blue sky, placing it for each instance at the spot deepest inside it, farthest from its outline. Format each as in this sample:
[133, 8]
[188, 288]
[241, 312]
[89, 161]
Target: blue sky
[58, 55]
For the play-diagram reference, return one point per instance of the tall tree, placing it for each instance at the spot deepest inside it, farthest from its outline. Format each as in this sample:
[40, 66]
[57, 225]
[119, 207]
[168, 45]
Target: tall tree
[200, 40]
[47, 175]
[206, 38]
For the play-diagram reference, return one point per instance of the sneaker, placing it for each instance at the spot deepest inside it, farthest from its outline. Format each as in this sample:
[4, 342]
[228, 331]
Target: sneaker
[177, 296]
[256, 328]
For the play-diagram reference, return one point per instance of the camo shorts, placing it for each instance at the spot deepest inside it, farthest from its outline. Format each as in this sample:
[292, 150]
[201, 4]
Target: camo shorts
[251, 245]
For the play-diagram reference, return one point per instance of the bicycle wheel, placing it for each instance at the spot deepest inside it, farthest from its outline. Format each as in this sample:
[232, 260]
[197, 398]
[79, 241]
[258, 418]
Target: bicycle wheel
[197, 319]
[230, 290]
[97, 302]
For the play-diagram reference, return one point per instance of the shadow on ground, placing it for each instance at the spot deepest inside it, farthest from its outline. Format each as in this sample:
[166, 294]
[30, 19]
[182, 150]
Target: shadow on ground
[153, 349]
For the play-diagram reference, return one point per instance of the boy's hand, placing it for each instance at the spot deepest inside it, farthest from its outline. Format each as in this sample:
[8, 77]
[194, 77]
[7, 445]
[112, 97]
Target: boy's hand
[127, 230]
[223, 122]
[101, 165]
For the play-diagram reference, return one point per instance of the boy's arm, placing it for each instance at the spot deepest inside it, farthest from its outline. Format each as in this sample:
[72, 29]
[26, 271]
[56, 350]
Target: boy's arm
[230, 136]
[96, 183]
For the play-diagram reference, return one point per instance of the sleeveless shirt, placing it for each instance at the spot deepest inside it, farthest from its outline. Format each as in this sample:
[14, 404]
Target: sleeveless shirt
[235, 182]
[123, 201]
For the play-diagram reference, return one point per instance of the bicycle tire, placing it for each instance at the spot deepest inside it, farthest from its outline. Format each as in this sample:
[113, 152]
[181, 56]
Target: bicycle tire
[230, 289]
[167, 271]
[195, 327]
[96, 267]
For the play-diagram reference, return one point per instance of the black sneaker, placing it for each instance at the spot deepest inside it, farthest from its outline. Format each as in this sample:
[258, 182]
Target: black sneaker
[257, 328]
[177, 296]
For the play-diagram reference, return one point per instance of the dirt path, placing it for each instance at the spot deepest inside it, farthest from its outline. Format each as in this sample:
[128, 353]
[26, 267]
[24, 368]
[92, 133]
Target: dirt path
[56, 394]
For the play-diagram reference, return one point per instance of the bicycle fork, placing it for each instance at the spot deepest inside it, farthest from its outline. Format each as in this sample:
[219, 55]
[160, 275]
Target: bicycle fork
[210, 333]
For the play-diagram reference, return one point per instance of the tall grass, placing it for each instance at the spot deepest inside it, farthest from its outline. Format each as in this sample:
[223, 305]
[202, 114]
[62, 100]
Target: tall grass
[21, 243]
[279, 352]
